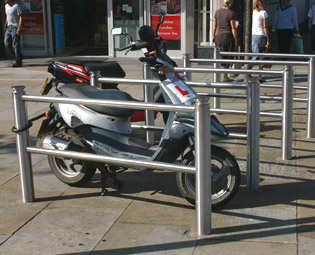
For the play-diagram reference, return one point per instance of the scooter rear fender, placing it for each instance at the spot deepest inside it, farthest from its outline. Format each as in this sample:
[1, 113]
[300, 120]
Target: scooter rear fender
[77, 115]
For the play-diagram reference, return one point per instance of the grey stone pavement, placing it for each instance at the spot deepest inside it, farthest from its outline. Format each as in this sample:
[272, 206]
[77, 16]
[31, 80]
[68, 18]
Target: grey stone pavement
[148, 215]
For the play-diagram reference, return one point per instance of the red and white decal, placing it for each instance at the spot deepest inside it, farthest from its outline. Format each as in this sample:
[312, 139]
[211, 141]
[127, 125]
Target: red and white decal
[74, 69]
[181, 91]
[78, 80]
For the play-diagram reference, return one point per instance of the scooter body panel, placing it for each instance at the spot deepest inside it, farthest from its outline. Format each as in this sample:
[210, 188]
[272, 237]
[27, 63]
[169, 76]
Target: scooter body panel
[78, 115]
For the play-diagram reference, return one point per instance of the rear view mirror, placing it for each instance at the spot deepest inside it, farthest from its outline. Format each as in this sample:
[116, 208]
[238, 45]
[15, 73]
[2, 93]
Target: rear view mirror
[117, 31]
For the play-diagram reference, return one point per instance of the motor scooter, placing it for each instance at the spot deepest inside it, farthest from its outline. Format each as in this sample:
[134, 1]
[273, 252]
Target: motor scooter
[107, 131]
[78, 70]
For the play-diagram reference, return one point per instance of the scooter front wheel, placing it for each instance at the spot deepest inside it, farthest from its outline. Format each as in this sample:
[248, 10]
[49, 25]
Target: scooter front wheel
[73, 172]
[225, 177]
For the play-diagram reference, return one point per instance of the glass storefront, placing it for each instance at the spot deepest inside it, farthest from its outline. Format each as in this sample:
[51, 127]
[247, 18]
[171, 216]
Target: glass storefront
[130, 15]
[86, 27]
[170, 30]
[33, 32]
[83, 27]
[126, 15]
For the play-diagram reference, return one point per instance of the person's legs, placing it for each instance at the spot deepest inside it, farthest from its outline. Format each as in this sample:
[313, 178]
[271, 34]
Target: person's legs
[258, 42]
[284, 40]
[261, 44]
[255, 45]
[17, 48]
[8, 41]
[226, 43]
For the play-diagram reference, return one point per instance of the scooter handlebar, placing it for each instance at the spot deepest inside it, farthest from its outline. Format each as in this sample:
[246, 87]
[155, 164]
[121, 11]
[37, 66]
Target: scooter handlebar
[149, 60]
[135, 46]
[125, 48]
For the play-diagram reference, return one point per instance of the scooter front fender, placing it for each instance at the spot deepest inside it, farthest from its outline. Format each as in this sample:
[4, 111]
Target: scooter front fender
[218, 130]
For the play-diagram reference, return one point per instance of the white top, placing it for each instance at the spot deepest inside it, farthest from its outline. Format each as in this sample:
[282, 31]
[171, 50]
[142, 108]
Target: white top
[258, 22]
[13, 14]
[311, 14]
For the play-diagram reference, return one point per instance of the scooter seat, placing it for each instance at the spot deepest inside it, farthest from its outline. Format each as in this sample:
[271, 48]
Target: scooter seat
[107, 69]
[76, 90]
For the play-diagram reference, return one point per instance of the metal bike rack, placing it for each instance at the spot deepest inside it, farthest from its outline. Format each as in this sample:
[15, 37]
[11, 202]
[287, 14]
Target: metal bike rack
[310, 129]
[202, 168]
[148, 97]
[252, 123]
[287, 108]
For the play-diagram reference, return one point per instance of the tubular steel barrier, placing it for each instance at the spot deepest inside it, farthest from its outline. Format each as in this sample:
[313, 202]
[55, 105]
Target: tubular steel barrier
[148, 97]
[202, 167]
[310, 126]
[287, 102]
[287, 105]
[287, 90]
[253, 120]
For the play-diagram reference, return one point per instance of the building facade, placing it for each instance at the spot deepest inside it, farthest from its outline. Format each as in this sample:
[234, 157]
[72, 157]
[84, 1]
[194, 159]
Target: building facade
[82, 27]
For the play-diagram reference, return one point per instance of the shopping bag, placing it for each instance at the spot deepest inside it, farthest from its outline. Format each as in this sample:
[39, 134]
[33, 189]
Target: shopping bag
[298, 44]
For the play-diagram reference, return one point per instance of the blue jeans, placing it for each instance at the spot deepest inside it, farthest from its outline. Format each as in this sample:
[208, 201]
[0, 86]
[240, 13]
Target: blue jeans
[258, 42]
[12, 42]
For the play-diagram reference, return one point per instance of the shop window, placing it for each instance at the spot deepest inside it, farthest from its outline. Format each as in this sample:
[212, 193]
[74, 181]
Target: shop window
[126, 15]
[170, 29]
[33, 24]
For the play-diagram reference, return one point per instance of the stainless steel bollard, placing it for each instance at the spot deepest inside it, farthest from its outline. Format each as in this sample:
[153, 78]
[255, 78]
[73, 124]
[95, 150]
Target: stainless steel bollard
[253, 133]
[287, 113]
[148, 97]
[186, 62]
[94, 76]
[22, 142]
[217, 78]
[310, 130]
[203, 166]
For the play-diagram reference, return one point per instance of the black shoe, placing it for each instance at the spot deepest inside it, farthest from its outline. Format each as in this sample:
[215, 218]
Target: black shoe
[262, 80]
[14, 65]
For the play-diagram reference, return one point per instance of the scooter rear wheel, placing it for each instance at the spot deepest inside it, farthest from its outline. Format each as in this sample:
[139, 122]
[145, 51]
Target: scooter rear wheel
[73, 172]
[225, 174]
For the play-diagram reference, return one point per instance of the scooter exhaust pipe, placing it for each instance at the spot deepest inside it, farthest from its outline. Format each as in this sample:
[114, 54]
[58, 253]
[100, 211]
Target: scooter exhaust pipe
[52, 142]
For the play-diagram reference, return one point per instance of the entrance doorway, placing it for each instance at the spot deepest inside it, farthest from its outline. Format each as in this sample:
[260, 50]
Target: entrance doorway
[86, 27]
[132, 14]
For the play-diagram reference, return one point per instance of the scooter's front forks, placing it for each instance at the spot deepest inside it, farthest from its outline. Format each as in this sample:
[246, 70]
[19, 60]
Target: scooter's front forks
[109, 171]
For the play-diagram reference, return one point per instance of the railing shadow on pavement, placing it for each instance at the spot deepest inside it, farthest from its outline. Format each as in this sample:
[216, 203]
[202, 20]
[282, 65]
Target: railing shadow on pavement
[267, 228]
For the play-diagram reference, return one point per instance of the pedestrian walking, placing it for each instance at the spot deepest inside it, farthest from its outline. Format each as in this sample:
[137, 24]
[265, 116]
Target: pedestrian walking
[224, 31]
[286, 24]
[311, 22]
[12, 29]
[260, 35]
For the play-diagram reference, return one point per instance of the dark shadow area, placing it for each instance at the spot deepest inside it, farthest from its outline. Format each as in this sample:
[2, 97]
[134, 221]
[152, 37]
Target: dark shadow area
[91, 52]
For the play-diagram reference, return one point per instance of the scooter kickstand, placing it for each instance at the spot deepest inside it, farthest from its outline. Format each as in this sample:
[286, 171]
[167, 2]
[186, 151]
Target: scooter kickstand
[104, 173]
[113, 174]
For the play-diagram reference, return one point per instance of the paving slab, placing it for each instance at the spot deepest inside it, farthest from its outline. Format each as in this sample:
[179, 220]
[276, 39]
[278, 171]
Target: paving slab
[7, 173]
[14, 213]
[306, 245]
[62, 231]
[213, 246]
[259, 224]
[146, 239]
[148, 215]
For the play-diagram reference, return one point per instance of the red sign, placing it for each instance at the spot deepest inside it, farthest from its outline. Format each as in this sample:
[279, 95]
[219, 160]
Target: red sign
[32, 23]
[170, 29]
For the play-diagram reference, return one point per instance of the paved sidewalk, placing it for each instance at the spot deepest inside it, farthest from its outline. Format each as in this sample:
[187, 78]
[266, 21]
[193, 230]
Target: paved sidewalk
[148, 215]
